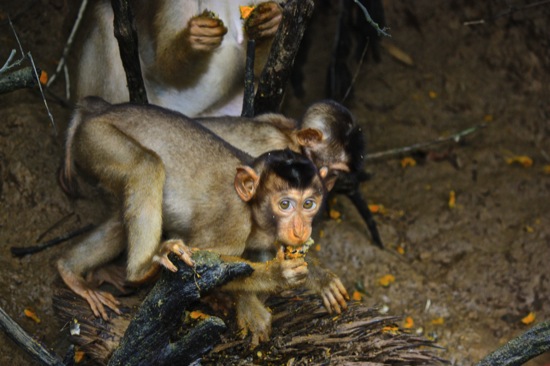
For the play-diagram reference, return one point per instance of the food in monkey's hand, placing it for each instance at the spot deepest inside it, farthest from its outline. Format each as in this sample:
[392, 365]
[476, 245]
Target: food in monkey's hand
[246, 11]
[298, 252]
[209, 14]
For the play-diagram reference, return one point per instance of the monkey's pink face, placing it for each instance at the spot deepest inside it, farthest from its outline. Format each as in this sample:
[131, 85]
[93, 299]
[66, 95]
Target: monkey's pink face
[294, 211]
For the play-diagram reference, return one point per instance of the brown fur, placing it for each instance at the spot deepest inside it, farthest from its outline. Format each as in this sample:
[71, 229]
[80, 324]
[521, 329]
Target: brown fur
[191, 62]
[170, 174]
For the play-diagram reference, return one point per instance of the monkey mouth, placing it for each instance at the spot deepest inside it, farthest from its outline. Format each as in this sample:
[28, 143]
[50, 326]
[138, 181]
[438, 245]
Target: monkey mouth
[293, 252]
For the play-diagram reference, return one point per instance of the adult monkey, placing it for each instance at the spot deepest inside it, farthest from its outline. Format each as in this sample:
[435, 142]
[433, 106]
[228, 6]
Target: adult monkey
[192, 53]
[169, 173]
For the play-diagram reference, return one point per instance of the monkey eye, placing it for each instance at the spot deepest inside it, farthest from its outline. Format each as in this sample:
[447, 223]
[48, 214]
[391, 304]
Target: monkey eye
[285, 205]
[309, 204]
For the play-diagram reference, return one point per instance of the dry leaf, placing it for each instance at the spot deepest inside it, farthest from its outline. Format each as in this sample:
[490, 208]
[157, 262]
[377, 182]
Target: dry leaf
[335, 215]
[452, 199]
[432, 94]
[488, 118]
[408, 323]
[32, 315]
[520, 159]
[386, 280]
[408, 161]
[79, 356]
[530, 318]
[43, 77]
[398, 54]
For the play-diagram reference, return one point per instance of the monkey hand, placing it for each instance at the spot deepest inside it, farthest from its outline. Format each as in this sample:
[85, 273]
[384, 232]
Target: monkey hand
[205, 32]
[334, 295]
[328, 286]
[292, 272]
[264, 20]
[177, 247]
[254, 318]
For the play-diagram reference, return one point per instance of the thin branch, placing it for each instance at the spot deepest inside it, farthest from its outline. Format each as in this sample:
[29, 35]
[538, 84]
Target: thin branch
[7, 65]
[510, 10]
[372, 22]
[22, 251]
[36, 350]
[407, 149]
[42, 92]
[356, 74]
[63, 60]
[29, 55]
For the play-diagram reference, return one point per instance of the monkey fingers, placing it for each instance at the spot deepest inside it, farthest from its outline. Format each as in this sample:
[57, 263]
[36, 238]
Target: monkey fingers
[96, 299]
[294, 271]
[177, 247]
[206, 34]
[264, 20]
[334, 296]
[110, 273]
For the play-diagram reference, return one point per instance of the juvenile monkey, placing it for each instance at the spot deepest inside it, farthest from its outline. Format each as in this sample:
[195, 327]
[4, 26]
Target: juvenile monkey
[170, 174]
[192, 53]
[327, 134]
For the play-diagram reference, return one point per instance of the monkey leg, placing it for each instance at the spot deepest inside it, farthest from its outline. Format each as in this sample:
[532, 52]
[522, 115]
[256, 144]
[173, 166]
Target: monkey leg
[104, 244]
[254, 317]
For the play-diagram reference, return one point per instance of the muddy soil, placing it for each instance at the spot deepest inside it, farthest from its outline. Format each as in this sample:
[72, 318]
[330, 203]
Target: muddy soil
[466, 275]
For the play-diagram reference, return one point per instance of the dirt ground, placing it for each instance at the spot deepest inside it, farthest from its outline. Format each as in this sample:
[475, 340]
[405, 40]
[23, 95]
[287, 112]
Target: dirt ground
[466, 275]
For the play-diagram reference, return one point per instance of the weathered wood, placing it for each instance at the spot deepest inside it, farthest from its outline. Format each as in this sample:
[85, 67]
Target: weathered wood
[154, 335]
[519, 350]
[286, 43]
[33, 347]
[18, 79]
[126, 35]
[248, 99]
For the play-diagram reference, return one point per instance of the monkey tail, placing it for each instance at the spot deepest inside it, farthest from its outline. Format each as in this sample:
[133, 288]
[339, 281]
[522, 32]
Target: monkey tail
[66, 175]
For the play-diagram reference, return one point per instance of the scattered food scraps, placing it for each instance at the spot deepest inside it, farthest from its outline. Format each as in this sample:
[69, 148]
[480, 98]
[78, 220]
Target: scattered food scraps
[520, 159]
[390, 329]
[400, 250]
[335, 215]
[438, 321]
[79, 356]
[530, 318]
[408, 323]
[356, 296]
[432, 94]
[377, 209]
[546, 169]
[32, 315]
[197, 314]
[452, 199]
[398, 53]
[43, 77]
[386, 280]
[408, 161]
[488, 118]
[245, 11]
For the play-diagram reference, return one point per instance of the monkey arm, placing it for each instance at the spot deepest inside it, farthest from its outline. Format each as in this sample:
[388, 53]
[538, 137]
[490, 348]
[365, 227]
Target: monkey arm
[269, 277]
[182, 58]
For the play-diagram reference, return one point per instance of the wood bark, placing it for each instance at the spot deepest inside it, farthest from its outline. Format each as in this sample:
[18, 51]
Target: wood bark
[277, 70]
[156, 335]
[126, 35]
[519, 350]
[18, 79]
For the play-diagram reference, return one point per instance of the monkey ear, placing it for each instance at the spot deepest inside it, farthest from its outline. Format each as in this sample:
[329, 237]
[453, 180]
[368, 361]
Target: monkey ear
[329, 181]
[246, 182]
[309, 137]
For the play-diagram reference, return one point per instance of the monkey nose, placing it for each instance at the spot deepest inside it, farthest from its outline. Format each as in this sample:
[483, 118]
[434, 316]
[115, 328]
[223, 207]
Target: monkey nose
[300, 232]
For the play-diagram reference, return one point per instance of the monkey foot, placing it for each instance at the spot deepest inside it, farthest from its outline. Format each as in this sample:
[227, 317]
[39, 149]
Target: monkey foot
[96, 299]
[177, 247]
[111, 273]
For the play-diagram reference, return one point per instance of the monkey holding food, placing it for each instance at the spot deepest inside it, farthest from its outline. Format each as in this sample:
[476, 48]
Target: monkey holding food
[168, 173]
[192, 53]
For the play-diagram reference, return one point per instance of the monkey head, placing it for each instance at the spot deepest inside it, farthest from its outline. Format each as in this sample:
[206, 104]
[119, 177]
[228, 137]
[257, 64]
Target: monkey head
[286, 191]
[330, 137]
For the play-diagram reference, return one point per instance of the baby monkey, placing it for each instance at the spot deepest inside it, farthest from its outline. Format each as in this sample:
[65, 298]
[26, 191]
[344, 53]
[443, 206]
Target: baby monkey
[168, 174]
